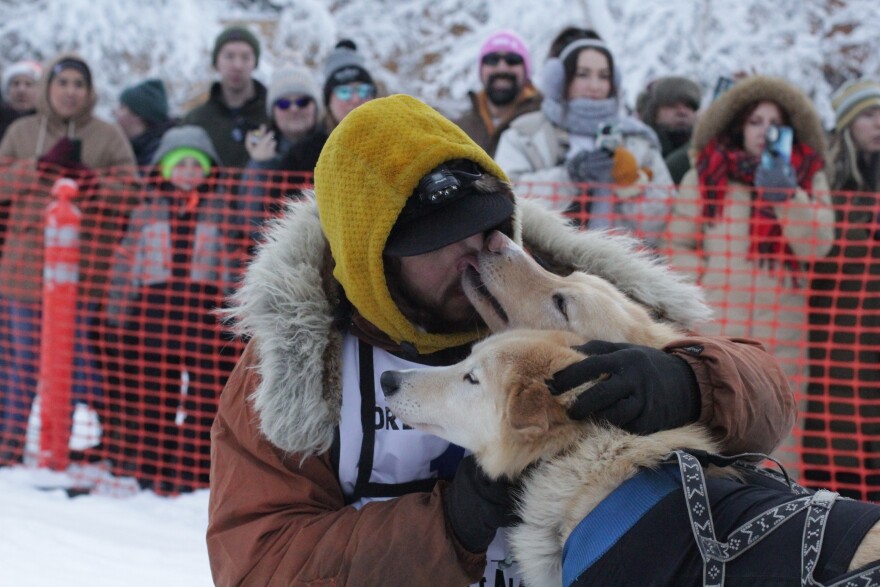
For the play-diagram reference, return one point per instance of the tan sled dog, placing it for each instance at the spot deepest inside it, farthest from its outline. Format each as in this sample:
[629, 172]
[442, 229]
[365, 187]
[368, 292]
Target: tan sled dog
[497, 404]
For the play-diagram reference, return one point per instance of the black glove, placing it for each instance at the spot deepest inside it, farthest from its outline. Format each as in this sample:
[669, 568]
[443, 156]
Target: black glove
[647, 389]
[476, 506]
[591, 166]
[777, 181]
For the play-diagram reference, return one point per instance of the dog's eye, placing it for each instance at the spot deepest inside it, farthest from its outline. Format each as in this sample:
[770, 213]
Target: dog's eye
[559, 302]
[469, 377]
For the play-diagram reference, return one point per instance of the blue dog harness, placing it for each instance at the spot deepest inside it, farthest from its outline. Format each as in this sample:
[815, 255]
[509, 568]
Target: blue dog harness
[609, 522]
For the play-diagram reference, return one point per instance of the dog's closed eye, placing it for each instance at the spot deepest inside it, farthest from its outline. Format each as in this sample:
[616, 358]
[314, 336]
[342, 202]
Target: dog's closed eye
[470, 378]
[561, 305]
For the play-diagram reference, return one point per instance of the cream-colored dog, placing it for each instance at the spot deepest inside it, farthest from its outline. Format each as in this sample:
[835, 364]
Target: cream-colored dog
[497, 404]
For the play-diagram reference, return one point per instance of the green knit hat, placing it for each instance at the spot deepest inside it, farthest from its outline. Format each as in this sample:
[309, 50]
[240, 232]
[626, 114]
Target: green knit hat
[236, 33]
[147, 100]
[175, 156]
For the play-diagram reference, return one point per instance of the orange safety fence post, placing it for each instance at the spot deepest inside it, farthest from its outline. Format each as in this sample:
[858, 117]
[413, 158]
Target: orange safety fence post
[60, 279]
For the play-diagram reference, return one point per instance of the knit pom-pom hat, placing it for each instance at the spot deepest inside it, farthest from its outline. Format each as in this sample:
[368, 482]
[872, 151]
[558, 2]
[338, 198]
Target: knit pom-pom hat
[369, 167]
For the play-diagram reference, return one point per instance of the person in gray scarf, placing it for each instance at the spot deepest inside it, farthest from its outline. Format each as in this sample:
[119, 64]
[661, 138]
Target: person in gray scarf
[580, 142]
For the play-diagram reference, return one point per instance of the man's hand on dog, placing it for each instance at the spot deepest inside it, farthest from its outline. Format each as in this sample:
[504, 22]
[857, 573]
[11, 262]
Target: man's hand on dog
[477, 506]
[646, 389]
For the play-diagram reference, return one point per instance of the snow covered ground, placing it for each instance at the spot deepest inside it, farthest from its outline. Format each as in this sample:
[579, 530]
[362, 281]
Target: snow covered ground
[143, 540]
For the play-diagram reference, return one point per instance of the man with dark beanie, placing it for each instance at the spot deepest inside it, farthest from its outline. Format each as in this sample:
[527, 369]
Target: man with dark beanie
[237, 103]
[143, 115]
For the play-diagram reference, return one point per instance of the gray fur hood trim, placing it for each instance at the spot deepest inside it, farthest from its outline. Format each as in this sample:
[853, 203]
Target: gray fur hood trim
[804, 118]
[282, 304]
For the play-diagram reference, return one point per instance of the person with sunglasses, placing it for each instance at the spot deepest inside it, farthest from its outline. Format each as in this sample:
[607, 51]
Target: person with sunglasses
[290, 142]
[507, 91]
[347, 83]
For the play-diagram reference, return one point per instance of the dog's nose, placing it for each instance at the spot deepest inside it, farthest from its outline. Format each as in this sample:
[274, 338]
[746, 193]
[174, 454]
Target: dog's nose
[497, 242]
[390, 381]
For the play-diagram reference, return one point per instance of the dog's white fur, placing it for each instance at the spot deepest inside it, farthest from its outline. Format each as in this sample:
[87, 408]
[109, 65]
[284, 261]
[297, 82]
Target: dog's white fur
[496, 403]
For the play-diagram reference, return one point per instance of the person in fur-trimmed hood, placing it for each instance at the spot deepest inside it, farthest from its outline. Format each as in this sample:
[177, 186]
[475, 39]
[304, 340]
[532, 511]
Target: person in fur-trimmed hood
[313, 480]
[63, 138]
[745, 230]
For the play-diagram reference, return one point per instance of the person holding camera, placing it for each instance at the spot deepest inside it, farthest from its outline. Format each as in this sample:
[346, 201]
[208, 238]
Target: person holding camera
[750, 217]
[579, 139]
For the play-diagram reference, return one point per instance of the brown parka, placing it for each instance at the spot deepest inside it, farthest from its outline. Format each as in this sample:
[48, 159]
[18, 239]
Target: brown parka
[104, 205]
[277, 513]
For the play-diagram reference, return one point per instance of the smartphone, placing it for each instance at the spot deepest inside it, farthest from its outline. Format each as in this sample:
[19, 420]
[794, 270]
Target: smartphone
[778, 143]
[722, 85]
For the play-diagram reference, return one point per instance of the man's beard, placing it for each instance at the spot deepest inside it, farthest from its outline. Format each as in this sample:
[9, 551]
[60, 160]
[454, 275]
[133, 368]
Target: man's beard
[427, 316]
[677, 136]
[504, 95]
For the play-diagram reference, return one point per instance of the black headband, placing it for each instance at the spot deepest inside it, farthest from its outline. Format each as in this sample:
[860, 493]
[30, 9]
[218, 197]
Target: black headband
[72, 63]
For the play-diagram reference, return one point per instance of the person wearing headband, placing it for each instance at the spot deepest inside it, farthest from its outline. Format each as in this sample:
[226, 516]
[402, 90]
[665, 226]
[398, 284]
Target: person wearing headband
[580, 154]
[62, 139]
[164, 352]
[313, 480]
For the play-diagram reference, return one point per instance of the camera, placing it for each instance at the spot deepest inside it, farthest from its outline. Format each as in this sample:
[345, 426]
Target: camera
[777, 144]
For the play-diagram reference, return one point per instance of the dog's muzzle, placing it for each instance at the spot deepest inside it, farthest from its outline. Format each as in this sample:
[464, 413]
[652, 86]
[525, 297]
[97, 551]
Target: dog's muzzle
[390, 382]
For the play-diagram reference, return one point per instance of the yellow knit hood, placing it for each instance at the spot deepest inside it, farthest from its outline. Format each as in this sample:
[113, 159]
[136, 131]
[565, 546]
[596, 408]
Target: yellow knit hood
[368, 168]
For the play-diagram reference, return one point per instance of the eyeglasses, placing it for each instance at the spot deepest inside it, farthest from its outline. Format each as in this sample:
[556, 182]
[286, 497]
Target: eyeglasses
[509, 58]
[285, 104]
[346, 93]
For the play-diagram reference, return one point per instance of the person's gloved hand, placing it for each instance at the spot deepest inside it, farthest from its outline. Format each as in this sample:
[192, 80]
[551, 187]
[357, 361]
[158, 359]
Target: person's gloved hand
[64, 153]
[591, 166]
[625, 170]
[476, 506]
[647, 390]
[63, 158]
[777, 181]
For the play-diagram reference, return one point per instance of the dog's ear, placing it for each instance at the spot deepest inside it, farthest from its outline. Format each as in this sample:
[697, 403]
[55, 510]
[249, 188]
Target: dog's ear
[532, 409]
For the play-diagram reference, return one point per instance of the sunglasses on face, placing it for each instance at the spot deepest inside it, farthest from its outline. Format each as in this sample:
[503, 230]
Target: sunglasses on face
[285, 104]
[509, 59]
[346, 93]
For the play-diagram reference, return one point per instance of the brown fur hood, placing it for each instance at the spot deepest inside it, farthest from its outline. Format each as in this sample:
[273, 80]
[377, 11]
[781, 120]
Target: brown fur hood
[804, 118]
[284, 306]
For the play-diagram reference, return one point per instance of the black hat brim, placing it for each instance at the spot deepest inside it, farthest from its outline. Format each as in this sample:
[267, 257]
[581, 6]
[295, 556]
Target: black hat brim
[457, 221]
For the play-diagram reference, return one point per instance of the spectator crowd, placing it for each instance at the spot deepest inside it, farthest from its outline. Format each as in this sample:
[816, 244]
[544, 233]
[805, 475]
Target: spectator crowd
[784, 241]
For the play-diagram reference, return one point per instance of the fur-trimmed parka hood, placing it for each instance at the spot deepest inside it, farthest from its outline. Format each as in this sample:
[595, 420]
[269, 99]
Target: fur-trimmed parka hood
[804, 118]
[286, 305]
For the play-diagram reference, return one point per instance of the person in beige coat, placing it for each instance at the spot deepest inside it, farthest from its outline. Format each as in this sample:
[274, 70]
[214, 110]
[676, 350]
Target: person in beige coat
[747, 233]
[62, 139]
